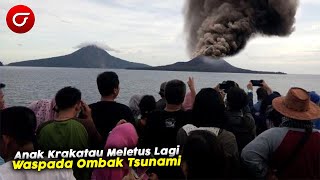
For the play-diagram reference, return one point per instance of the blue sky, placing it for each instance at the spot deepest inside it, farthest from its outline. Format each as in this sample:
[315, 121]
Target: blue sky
[149, 32]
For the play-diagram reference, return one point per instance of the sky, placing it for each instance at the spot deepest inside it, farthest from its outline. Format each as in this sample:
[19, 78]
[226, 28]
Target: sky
[151, 32]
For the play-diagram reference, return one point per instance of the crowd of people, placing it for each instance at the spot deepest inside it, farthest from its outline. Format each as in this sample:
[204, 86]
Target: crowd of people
[221, 131]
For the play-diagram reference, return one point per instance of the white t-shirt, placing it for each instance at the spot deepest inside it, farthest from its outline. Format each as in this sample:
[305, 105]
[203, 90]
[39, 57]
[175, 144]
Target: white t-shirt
[7, 173]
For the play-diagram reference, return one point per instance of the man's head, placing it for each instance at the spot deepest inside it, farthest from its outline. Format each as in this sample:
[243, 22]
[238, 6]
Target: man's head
[2, 102]
[237, 99]
[261, 94]
[68, 99]
[202, 148]
[108, 84]
[18, 126]
[175, 92]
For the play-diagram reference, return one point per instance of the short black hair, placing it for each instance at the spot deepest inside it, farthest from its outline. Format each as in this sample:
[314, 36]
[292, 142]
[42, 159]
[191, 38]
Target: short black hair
[175, 92]
[67, 97]
[237, 98]
[107, 82]
[147, 105]
[208, 109]
[19, 123]
[262, 93]
[203, 148]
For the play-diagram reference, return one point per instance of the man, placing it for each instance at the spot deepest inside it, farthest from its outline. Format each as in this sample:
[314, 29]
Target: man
[2, 102]
[239, 119]
[290, 151]
[67, 132]
[107, 113]
[18, 126]
[161, 104]
[162, 125]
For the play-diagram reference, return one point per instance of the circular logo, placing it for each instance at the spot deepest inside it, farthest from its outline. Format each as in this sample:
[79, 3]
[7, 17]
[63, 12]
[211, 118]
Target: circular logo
[20, 19]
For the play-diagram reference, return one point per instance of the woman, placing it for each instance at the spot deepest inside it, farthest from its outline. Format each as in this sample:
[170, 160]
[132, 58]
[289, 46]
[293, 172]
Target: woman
[44, 110]
[123, 135]
[203, 157]
[134, 106]
[208, 115]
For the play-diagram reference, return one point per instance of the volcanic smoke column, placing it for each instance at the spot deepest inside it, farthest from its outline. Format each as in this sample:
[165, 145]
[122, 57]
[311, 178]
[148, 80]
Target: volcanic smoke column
[221, 28]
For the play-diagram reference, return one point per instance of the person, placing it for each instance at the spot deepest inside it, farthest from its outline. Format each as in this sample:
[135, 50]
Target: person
[239, 119]
[208, 114]
[2, 102]
[134, 106]
[146, 106]
[123, 135]
[161, 104]
[258, 109]
[162, 125]
[292, 150]
[18, 126]
[203, 157]
[107, 113]
[67, 132]
[2, 106]
[44, 110]
[270, 117]
[314, 97]
[190, 96]
[261, 95]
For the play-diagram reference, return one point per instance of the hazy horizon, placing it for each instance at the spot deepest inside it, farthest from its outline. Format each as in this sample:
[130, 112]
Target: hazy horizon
[150, 32]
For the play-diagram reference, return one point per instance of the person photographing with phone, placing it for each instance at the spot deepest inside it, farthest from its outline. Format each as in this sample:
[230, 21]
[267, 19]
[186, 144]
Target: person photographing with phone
[262, 93]
[66, 131]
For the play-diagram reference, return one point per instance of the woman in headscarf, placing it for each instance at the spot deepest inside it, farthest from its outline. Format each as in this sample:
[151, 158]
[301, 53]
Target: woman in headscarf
[134, 106]
[44, 110]
[123, 135]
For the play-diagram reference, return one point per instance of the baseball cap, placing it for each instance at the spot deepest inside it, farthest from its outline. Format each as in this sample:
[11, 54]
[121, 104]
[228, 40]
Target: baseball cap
[2, 85]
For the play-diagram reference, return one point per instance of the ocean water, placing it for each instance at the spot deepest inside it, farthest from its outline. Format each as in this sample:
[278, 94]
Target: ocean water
[26, 84]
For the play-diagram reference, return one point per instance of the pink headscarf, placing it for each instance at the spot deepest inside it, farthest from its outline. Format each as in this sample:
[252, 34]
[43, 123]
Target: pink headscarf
[43, 110]
[124, 135]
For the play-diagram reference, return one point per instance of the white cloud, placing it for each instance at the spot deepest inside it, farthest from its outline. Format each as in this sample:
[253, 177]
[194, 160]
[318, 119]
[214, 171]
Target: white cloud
[98, 44]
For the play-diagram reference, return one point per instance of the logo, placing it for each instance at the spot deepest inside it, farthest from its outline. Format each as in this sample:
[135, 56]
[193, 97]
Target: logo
[20, 19]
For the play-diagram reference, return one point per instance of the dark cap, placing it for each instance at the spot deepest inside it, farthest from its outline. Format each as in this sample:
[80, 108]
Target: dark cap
[2, 85]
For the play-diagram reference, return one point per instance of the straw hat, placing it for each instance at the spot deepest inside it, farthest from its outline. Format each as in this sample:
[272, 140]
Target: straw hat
[297, 105]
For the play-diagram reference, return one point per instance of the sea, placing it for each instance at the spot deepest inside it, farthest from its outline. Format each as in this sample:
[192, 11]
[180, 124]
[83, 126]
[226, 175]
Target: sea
[27, 84]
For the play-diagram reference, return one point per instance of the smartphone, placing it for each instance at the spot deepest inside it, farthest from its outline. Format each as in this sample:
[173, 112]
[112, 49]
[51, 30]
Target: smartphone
[257, 82]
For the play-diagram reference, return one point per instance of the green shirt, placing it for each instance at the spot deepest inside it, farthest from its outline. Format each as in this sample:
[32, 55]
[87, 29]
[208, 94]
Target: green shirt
[63, 135]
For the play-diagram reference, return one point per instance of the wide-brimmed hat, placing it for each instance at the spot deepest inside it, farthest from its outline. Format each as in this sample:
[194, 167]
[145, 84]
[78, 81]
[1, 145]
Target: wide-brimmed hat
[297, 105]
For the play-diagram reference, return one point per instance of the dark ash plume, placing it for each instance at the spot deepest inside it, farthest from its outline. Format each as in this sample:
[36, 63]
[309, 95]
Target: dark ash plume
[221, 28]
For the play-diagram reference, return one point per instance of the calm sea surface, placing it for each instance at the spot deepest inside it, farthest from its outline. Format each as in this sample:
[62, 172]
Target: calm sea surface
[26, 84]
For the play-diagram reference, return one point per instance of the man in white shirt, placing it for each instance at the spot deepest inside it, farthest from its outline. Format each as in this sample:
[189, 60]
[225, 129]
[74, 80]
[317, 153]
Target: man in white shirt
[18, 126]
